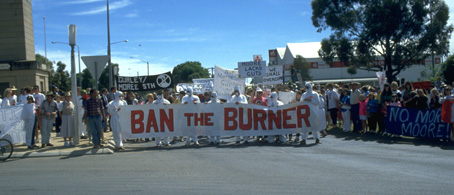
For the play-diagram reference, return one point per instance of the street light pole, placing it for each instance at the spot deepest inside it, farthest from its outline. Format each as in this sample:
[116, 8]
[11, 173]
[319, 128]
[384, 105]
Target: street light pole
[108, 48]
[45, 42]
[148, 65]
[72, 42]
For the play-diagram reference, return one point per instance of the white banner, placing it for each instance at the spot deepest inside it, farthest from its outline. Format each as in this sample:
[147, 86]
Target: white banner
[225, 81]
[252, 69]
[198, 88]
[207, 84]
[144, 121]
[12, 124]
[286, 97]
[273, 75]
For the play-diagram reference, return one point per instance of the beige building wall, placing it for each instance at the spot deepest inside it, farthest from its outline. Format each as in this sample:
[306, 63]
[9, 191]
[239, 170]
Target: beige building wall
[16, 31]
[23, 78]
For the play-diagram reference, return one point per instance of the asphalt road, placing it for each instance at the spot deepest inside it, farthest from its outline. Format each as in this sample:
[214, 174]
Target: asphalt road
[343, 164]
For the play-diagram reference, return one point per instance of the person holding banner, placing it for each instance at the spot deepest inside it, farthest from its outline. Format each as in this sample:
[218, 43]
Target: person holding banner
[190, 98]
[310, 97]
[214, 100]
[273, 102]
[259, 99]
[238, 98]
[161, 100]
[113, 108]
[30, 118]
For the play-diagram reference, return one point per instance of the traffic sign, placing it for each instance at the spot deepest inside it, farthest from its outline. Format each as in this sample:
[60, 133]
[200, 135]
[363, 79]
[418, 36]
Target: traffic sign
[95, 65]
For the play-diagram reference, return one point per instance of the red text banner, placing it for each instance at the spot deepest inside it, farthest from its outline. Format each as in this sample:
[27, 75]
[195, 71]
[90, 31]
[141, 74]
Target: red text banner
[144, 121]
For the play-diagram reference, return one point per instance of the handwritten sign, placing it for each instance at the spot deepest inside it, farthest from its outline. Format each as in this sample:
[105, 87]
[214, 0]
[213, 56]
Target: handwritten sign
[273, 75]
[416, 123]
[252, 69]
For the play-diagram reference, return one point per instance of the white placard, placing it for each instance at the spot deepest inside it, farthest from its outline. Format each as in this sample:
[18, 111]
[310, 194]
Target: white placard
[252, 69]
[225, 81]
[273, 75]
[287, 97]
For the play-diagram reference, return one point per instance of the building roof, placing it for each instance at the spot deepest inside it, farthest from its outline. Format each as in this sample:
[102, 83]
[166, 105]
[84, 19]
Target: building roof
[280, 52]
[307, 50]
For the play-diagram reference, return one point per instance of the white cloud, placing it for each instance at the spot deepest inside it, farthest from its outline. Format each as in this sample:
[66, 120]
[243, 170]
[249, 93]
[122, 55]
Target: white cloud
[83, 1]
[101, 9]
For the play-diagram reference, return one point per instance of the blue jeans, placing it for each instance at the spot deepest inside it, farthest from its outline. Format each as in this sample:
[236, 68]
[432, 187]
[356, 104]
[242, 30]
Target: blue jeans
[94, 122]
[357, 125]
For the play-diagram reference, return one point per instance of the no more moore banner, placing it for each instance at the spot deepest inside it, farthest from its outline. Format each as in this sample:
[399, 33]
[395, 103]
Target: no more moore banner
[144, 121]
[145, 83]
[416, 123]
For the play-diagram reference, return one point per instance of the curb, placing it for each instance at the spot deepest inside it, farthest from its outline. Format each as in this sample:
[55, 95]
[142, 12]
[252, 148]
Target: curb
[81, 152]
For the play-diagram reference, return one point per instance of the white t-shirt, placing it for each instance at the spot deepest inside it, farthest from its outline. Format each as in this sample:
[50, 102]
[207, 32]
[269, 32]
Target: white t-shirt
[241, 99]
[39, 98]
[333, 98]
[190, 99]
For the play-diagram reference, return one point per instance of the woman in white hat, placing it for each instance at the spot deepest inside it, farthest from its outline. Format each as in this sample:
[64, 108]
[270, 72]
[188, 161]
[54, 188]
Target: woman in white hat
[67, 124]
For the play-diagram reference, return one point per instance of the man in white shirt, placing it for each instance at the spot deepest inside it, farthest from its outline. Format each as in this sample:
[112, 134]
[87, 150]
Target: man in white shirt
[189, 98]
[333, 100]
[161, 100]
[354, 102]
[238, 98]
[310, 97]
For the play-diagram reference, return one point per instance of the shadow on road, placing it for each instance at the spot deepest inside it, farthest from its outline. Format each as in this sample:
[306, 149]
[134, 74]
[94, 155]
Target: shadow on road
[386, 139]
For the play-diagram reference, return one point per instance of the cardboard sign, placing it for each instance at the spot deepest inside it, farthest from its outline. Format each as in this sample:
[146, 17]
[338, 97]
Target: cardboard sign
[252, 69]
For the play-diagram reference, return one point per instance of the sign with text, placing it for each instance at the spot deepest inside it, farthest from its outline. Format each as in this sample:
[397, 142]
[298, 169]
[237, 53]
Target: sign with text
[416, 123]
[274, 75]
[252, 69]
[13, 123]
[144, 121]
[205, 85]
[145, 83]
[225, 81]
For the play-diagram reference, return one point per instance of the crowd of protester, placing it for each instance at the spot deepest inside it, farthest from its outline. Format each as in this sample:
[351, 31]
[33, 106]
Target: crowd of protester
[350, 107]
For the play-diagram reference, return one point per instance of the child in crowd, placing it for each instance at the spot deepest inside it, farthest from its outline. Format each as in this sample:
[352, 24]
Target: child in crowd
[345, 110]
[372, 113]
[395, 100]
[363, 112]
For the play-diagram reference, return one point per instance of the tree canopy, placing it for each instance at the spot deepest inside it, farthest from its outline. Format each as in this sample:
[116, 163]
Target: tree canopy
[448, 70]
[303, 68]
[185, 72]
[402, 32]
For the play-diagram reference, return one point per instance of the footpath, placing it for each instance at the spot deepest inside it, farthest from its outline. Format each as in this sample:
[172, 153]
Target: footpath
[83, 148]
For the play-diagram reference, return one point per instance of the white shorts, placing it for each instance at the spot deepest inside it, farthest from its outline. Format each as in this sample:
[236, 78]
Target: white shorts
[364, 118]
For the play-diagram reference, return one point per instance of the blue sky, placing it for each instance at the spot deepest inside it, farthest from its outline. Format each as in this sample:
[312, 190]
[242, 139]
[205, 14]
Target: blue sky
[170, 32]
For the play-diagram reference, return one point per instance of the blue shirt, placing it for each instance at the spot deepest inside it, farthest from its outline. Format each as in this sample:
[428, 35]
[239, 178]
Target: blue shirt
[345, 100]
[372, 106]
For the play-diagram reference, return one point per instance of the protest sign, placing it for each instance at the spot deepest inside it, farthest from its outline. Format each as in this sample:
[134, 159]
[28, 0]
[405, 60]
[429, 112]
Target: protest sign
[252, 69]
[225, 81]
[274, 75]
[12, 124]
[205, 84]
[416, 123]
[421, 85]
[145, 83]
[287, 97]
[146, 121]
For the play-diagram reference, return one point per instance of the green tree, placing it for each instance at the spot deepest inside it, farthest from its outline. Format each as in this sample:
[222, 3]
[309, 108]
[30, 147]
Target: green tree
[87, 79]
[401, 32]
[104, 78]
[61, 78]
[303, 68]
[448, 70]
[185, 72]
